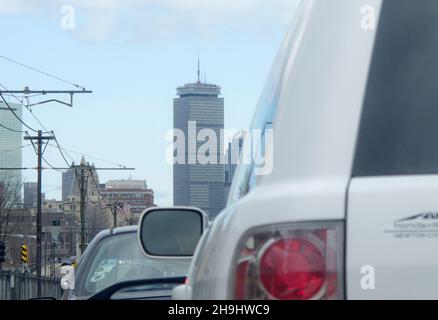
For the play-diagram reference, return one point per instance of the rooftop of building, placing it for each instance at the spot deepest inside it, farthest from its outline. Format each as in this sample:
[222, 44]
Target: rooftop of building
[199, 89]
[126, 184]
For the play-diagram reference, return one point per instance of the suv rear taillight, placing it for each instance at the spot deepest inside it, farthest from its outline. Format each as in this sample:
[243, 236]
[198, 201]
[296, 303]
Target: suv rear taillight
[299, 261]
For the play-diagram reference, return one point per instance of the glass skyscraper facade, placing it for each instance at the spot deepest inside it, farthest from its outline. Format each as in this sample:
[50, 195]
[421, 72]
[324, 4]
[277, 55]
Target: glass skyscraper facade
[10, 144]
[30, 195]
[194, 184]
[68, 179]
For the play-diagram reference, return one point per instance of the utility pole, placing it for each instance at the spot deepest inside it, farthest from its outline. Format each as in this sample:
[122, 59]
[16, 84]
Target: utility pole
[79, 172]
[83, 182]
[83, 244]
[39, 141]
[114, 207]
[40, 138]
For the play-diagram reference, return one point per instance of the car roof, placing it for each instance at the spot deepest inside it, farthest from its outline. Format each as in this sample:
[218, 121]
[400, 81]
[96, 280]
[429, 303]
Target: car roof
[115, 231]
[105, 234]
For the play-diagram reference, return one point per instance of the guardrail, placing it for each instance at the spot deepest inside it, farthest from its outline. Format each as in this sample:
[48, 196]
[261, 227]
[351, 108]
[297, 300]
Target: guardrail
[19, 286]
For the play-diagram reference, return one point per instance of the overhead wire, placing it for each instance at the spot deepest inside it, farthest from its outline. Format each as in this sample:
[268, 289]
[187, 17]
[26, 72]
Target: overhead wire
[89, 156]
[18, 148]
[16, 116]
[27, 108]
[42, 72]
[58, 146]
[12, 130]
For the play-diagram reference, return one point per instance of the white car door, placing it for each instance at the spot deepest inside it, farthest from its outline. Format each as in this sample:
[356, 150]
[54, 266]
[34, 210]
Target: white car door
[392, 205]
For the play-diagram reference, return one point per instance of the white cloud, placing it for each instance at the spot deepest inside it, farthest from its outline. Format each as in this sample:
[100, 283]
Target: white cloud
[97, 28]
[101, 19]
[12, 6]
[216, 6]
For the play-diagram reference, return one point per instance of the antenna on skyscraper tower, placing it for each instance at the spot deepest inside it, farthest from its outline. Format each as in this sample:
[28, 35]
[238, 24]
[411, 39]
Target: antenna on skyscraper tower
[199, 69]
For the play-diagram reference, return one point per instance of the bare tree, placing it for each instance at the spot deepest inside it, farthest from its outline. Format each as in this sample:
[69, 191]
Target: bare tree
[10, 200]
[97, 219]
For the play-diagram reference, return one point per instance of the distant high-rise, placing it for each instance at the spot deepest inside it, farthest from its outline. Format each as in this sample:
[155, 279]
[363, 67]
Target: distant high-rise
[10, 144]
[68, 179]
[30, 195]
[195, 184]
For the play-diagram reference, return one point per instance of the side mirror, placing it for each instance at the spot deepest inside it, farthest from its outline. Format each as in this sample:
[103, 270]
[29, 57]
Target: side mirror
[171, 232]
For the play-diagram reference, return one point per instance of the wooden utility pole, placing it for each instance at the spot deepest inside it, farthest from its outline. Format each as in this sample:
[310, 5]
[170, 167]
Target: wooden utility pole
[39, 142]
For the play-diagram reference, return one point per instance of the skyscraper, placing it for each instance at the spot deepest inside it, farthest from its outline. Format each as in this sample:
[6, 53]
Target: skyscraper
[31, 194]
[68, 178]
[195, 184]
[10, 144]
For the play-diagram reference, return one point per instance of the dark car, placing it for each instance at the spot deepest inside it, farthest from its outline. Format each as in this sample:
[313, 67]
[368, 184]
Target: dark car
[114, 256]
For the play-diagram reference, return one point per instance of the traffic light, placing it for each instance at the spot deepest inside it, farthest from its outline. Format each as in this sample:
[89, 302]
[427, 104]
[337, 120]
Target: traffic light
[2, 251]
[24, 257]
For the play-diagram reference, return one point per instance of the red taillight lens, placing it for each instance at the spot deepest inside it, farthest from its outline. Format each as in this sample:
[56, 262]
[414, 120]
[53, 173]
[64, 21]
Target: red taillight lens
[297, 262]
[292, 269]
[242, 269]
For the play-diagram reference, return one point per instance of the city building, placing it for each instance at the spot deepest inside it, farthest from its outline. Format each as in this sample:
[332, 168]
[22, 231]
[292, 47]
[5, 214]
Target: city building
[68, 179]
[60, 236]
[30, 190]
[51, 206]
[134, 195]
[70, 183]
[11, 143]
[97, 215]
[195, 184]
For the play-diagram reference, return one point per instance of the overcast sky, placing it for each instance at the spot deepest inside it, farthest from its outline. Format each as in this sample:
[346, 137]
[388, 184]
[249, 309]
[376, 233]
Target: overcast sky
[133, 54]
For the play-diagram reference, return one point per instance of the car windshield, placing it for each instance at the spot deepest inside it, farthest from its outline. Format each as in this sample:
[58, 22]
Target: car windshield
[119, 258]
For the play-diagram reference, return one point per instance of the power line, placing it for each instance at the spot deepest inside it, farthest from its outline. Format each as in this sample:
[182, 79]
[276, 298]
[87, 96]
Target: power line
[27, 108]
[42, 156]
[48, 163]
[12, 130]
[16, 116]
[61, 150]
[14, 149]
[36, 118]
[89, 156]
[42, 72]
[97, 187]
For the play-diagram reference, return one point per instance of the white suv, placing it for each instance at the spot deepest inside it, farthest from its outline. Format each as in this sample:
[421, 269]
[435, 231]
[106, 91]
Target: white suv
[349, 210]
